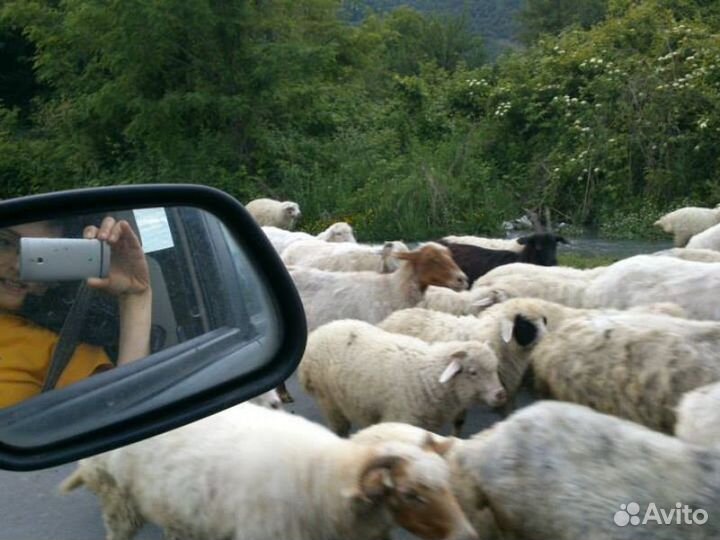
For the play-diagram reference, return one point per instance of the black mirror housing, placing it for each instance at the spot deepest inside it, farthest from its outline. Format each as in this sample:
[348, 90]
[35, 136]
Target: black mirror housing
[190, 380]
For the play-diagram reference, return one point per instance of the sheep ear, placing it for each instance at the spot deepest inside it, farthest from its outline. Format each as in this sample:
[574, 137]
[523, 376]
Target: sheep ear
[452, 369]
[376, 480]
[483, 302]
[523, 240]
[387, 249]
[404, 255]
[506, 329]
[439, 447]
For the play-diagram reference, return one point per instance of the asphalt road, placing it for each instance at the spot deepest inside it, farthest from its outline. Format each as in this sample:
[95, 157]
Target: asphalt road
[32, 509]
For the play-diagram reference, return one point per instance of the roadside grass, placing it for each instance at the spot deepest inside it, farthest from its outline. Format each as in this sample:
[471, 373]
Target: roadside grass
[578, 260]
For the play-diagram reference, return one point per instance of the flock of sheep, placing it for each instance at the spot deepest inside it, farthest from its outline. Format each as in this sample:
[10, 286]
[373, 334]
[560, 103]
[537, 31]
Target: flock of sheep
[402, 343]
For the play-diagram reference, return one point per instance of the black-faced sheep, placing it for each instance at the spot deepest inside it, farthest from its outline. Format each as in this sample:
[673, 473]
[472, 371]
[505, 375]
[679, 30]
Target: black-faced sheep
[475, 261]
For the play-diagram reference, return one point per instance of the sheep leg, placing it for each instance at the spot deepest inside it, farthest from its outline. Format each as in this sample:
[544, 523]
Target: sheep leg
[337, 421]
[172, 533]
[508, 408]
[459, 423]
[282, 391]
[541, 389]
[122, 520]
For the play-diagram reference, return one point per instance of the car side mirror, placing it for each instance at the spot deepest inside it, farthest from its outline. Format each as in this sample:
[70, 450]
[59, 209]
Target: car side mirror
[128, 311]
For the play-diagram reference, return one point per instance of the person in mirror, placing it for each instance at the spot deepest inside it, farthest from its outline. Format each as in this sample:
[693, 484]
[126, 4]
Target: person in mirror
[26, 349]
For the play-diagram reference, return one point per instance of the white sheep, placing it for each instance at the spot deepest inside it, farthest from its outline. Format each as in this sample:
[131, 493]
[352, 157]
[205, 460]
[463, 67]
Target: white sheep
[270, 399]
[685, 223]
[249, 473]
[449, 448]
[690, 254]
[698, 416]
[707, 239]
[345, 256]
[281, 238]
[469, 302]
[269, 212]
[567, 290]
[638, 280]
[370, 296]
[630, 364]
[558, 471]
[508, 244]
[644, 279]
[534, 270]
[511, 329]
[359, 374]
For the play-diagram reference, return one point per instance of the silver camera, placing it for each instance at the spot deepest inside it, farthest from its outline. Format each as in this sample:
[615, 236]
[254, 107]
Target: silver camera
[63, 259]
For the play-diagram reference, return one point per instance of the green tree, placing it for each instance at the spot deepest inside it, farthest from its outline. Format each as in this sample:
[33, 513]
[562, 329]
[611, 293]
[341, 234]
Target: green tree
[538, 17]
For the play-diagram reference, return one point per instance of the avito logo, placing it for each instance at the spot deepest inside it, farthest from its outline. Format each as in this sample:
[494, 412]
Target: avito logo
[681, 514]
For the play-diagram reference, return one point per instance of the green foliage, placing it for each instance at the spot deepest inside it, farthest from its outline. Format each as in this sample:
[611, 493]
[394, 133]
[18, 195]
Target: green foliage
[538, 17]
[580, 260]
[494, 20]
[633, 223]
[393, 124]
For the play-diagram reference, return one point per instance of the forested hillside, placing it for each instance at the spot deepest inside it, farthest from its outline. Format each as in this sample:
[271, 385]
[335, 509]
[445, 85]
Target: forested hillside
[396, 124]
[494, 20]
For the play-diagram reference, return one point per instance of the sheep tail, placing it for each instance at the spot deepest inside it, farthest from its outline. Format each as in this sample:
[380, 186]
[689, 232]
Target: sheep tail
[74, 481]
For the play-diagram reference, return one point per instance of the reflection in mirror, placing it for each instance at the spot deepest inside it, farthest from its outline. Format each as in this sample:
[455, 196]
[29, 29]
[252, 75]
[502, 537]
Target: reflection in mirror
[69, 311]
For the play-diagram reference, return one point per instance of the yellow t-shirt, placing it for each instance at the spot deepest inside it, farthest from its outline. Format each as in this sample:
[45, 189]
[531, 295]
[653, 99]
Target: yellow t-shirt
[25, 353]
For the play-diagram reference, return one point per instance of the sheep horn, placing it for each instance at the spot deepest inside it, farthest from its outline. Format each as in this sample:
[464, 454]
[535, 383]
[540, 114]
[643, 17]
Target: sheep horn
[548, 223]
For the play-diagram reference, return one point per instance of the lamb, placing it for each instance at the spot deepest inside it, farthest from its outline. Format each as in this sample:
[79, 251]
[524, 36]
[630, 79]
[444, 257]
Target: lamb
[707, 239]
[645, 279]
[370, 296]
[506, 244]
[345, 257]
[281, 239]
[698, 416]
[685, 223]
[633, 365]
[511, 329]
[538, 248]
[360, 374]
[249, 473]
[558, 471]
[690, 254]
[269, 212]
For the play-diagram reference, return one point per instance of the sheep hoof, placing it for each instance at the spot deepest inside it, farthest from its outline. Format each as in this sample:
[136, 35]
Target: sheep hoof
[285, 397]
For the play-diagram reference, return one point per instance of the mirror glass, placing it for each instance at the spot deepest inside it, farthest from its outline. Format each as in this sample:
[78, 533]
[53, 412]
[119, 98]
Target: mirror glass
[90, 294]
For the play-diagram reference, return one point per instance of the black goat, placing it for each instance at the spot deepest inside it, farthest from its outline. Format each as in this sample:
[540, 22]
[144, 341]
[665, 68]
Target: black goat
[475, 261]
